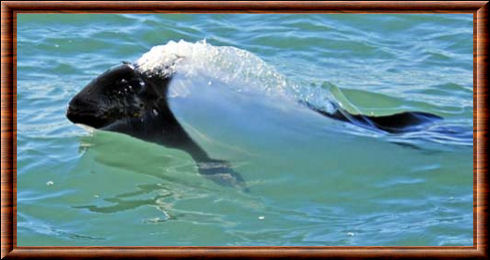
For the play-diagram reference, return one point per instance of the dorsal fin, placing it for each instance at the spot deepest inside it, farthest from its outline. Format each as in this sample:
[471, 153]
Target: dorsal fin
[396, 123]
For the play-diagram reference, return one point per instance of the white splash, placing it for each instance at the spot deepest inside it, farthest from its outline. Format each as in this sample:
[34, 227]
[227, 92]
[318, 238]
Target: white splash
[240, 69]
[201, 64]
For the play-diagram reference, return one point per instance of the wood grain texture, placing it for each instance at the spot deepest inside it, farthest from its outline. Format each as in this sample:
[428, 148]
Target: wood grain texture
[257, 252]
[480, 128]
[9, 145]
[8, 169]
[250, 6]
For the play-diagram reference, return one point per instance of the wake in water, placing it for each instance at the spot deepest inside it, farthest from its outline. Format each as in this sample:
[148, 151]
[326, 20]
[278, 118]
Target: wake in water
[134, 99]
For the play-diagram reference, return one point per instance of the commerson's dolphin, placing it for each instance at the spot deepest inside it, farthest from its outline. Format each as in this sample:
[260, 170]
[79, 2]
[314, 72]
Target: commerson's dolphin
[133, 101]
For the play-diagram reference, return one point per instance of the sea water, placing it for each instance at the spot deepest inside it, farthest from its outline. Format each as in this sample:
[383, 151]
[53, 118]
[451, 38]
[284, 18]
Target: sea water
[313, 181]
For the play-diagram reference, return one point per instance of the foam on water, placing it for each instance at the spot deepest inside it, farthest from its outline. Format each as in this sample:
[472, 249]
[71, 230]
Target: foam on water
[228, 64]
[239, 69]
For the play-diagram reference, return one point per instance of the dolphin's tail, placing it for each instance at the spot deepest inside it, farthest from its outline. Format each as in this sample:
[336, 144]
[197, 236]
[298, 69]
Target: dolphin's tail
[395, 123]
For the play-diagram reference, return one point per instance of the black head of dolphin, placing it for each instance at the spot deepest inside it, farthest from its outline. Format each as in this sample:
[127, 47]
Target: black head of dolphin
[125, 100]
[120, 93]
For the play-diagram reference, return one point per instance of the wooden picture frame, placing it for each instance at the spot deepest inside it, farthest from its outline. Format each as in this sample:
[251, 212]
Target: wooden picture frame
[9, 249]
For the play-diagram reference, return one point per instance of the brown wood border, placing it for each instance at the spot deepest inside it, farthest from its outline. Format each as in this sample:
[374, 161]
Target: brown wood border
[9, 9]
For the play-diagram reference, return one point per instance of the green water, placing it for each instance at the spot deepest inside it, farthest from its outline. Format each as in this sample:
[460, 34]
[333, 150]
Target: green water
[313, 181]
